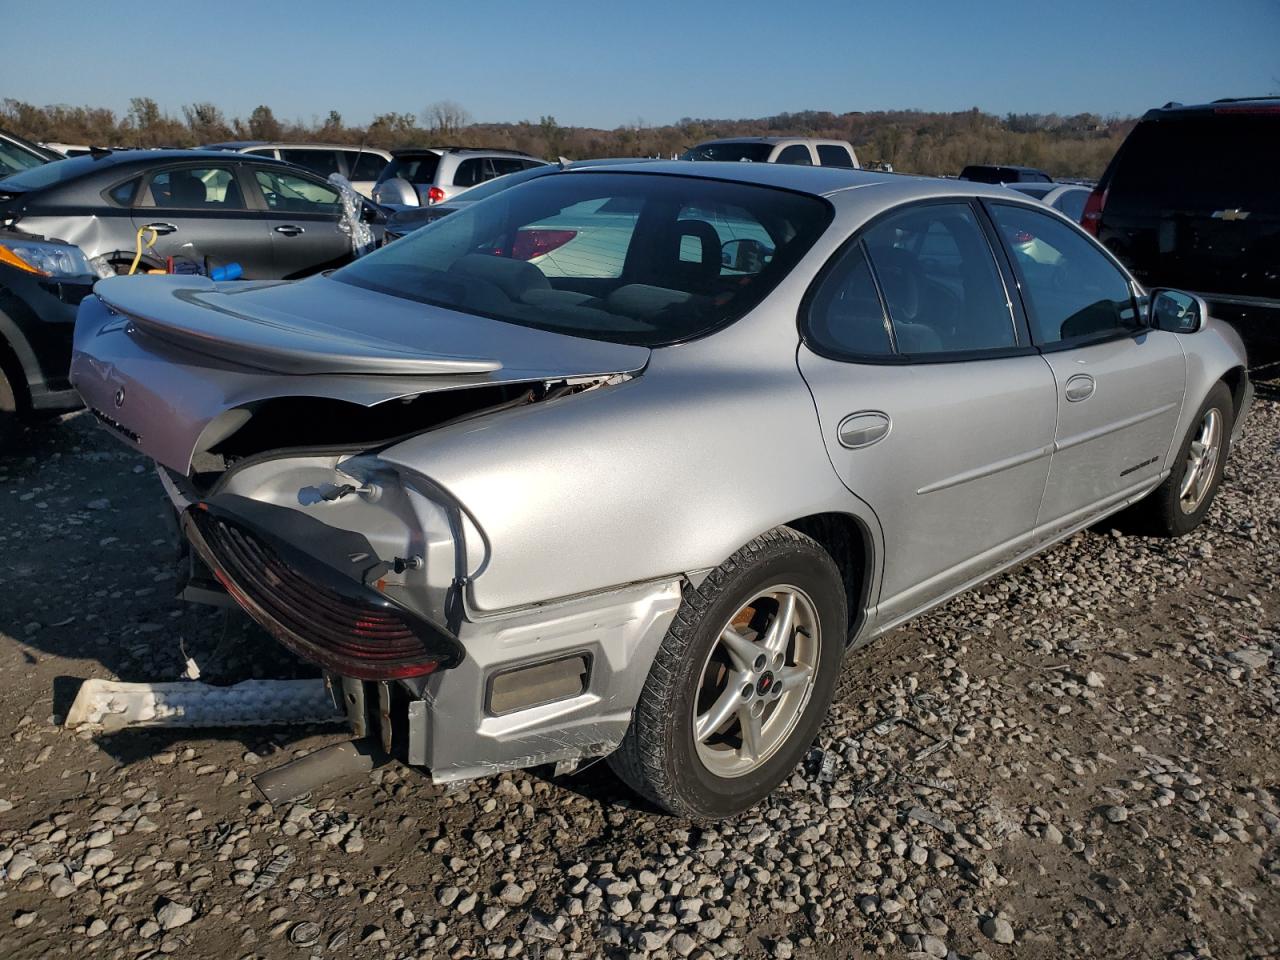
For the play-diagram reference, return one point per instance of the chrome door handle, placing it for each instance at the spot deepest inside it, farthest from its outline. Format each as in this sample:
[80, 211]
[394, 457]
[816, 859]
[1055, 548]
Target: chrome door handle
[289, 230]
[863, 428]
[161, 228]
[1080, 387]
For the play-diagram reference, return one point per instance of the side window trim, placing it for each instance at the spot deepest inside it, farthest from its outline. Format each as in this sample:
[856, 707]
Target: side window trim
[1073, 343]
[1021, 349]
[884, 305]
[1009, 277]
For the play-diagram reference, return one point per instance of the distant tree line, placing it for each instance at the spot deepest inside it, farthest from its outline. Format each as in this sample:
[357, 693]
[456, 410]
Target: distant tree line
[913, 141]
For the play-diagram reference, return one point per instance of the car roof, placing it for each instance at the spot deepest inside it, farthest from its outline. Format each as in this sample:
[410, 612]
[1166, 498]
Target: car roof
[818, 181]
[438, 151]
[291, 145]
[1265, 104]
[704, 143]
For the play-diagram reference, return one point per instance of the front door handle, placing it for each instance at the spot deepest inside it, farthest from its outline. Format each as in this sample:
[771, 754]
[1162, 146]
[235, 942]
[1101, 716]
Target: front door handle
[161, 228]
[289, 230]
[863, 428]
[1080, 387]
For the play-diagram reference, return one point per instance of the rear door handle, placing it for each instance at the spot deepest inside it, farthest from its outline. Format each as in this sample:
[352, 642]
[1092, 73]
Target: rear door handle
[1080, 387]
[161, 228]
[863, 428]
[289, 230]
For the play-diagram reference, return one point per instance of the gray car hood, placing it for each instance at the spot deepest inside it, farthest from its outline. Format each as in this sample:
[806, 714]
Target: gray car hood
[193, 349]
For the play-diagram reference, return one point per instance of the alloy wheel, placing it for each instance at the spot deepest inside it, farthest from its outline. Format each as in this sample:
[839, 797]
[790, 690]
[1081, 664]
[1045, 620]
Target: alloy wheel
[756, 681]
[1202, 462]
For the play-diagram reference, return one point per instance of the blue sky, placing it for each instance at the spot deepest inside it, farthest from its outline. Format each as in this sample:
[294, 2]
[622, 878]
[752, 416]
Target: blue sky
[607, 62]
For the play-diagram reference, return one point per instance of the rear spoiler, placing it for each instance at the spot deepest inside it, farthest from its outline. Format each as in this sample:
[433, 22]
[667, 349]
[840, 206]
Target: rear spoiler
[194, 313]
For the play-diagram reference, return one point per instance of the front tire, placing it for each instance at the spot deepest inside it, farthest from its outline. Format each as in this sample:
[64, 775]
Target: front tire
[1180, 503]
[742, 681]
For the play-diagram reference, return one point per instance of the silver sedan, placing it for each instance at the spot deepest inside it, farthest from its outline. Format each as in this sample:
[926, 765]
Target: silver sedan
[647, 509]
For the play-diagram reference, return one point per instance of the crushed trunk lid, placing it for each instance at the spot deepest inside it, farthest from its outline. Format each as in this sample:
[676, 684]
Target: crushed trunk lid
[159, 359]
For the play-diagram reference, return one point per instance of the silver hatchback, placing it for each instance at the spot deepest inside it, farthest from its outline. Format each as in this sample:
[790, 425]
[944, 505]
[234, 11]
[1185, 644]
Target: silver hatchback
[643, 501]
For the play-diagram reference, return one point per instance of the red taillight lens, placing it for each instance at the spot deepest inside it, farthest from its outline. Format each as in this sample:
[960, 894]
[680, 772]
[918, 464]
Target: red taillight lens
[435, 195]
[1092, 216]
[534, 243]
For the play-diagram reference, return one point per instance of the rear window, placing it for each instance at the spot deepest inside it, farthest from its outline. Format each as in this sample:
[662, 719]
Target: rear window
[731, 152]
[14, 158]
[1201, 162]
[419, 168]
[630, 258]
[834, 155]
[47, 174]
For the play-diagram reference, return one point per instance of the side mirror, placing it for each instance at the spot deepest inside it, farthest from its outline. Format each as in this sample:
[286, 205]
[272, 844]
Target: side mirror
[1176, 312]
[745, 256]
[370, 213]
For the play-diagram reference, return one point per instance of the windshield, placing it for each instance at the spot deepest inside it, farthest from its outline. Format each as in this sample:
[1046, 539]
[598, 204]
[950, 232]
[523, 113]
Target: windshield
[419, 168]
[631, 258]
[14, 158]
[746, 152]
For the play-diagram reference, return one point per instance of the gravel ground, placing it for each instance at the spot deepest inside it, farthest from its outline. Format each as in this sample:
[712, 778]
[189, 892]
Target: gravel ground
[1076, 759]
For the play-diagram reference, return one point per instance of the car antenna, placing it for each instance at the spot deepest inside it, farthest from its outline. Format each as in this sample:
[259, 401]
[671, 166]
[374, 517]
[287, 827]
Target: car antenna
[99, 151]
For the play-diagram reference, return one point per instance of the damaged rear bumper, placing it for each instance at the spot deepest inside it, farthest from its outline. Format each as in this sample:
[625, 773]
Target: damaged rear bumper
[543, 684]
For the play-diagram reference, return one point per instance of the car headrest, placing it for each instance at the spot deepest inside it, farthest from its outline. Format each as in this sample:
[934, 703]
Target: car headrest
[514, 278]
[186, 190]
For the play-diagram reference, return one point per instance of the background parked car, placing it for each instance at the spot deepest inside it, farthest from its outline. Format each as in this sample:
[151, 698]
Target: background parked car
[1067, 198]
[18, 154]
[1190, 198]
[1001, 173]
[406, 221]
[68, 149]
[272, 218]
[423, 176]
[41, 284]
[360, 165]
[802, 151]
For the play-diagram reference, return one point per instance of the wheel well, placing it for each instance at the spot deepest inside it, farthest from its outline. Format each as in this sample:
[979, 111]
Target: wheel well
[1235, 381]
[849, 544]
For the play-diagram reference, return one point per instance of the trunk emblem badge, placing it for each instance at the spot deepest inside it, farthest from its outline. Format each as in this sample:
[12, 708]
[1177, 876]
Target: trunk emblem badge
[1235, 214]
[120, 397]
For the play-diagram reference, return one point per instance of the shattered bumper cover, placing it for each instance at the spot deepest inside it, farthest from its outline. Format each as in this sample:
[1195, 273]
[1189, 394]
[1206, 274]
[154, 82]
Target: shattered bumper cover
[319, 613]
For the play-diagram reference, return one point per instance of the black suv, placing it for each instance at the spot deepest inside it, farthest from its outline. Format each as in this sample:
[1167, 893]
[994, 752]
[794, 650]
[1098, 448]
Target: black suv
[1003, 173]
[1190, 200]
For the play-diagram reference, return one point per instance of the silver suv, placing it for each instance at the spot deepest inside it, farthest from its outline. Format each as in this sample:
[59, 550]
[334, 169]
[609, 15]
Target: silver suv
[802, 151]
[421, 176]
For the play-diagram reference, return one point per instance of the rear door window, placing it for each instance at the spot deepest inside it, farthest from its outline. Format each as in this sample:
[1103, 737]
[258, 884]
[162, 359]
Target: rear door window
[834, 155]
[939, 280]
[471, 172]
[797, 154]
[194, 188]
[1073, 292]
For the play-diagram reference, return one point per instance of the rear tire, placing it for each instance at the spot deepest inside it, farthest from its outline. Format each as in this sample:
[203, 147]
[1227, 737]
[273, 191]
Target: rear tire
[9, 423]
[1180, 504]
[742, 681]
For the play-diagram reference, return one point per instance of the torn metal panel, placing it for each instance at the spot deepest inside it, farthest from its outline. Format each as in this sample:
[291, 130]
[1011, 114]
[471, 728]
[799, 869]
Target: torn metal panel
[114, 705]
